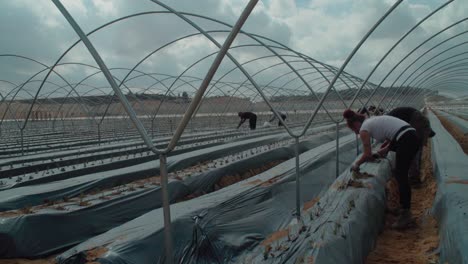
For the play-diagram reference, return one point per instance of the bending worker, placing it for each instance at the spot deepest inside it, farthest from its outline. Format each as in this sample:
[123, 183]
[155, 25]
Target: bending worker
[397, 136]
[248, 115]
[417, 120]
[282, 115]
[423, 131]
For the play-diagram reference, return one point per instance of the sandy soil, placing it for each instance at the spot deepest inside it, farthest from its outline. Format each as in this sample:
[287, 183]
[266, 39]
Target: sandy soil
[456, 133]
[416, 244]
[231, 179]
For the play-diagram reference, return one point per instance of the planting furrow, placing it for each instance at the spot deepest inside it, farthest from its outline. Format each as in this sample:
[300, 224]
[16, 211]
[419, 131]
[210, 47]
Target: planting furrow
[28, 195]
[135, 198]
[451, 203]
[461, 123]
[220, 225]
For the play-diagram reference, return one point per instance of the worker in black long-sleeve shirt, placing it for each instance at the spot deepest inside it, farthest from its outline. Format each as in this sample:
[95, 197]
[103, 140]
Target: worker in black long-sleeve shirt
[423, 131]
[248, 115]
[417, 120]
[282, 115]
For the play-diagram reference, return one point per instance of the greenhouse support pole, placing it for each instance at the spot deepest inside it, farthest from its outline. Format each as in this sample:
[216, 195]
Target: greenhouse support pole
[211, 72]
[167, 214]
[298, 181]
[337, 149]
[99, 133]
[110, 79]
[22, 142]
[152, 128]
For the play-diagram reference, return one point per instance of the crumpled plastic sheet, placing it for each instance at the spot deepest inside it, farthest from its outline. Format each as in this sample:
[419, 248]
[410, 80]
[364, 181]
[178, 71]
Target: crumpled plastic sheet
[81, 170]
[342, 227]
[69, 228]
[37, 162]
[217, 227]
[451, 203]
[11, 199]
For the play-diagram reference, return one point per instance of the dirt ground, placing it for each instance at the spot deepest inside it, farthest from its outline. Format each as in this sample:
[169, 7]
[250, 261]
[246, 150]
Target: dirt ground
[417, 244]
[456, 133]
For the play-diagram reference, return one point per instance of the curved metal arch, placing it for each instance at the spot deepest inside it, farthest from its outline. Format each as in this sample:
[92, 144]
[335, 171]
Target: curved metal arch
[99, 71]
[462, 83]
[435, 46]
[270, 66]
[410, 53]
[205, 57]
[396, 44]
[417, 100]
[3, 98]
[15, 113]
[435, 64]
[437, 70]
[19, 87]
[460, 71]
[5, 81]
[435, 56]
[243, 84]
[247, 75]
[143, 13]
[46, 67]
[423, 90]
[313, 92]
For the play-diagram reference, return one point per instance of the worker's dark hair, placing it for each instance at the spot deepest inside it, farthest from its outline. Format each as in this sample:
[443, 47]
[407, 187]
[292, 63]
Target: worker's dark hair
[352, 117]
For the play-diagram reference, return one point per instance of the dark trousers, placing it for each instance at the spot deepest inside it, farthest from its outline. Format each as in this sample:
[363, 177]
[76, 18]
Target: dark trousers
[253, 122]
[406, 148]
[282, 117]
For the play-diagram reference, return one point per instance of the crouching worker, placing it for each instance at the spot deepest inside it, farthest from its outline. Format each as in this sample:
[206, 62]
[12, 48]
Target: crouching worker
[398, 136]
[282, 115]
[248, 115]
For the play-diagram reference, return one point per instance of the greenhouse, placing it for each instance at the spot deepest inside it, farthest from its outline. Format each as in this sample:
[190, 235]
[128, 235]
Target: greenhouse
[216, 131]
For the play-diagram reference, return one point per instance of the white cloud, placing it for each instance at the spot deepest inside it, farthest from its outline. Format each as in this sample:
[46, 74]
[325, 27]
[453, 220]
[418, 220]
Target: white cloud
[282, 8]
[106, 8]
[326, 30]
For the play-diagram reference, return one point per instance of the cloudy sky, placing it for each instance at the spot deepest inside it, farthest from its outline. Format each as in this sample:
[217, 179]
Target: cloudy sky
[325, 30]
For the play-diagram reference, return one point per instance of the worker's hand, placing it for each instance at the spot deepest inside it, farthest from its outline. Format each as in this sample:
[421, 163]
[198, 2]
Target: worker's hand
[354, 167]
[383, 152]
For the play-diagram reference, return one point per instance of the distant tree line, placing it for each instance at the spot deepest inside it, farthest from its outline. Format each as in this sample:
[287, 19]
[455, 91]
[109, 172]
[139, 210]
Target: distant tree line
[348, 94]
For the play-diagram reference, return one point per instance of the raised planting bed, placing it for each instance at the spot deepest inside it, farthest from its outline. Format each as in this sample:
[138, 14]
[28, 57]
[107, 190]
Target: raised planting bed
[24, 196]
[218, 226]
[33, 166]
[461, 123]
[340, 227]
[455, 131]
[67, 165]
[451, 204]
[122, 203]
[129, 146]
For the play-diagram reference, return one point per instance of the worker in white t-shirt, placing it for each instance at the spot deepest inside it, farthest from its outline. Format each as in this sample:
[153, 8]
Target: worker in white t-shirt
[397, 136]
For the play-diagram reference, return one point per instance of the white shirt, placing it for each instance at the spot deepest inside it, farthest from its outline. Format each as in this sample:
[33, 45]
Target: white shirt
[382, 127]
